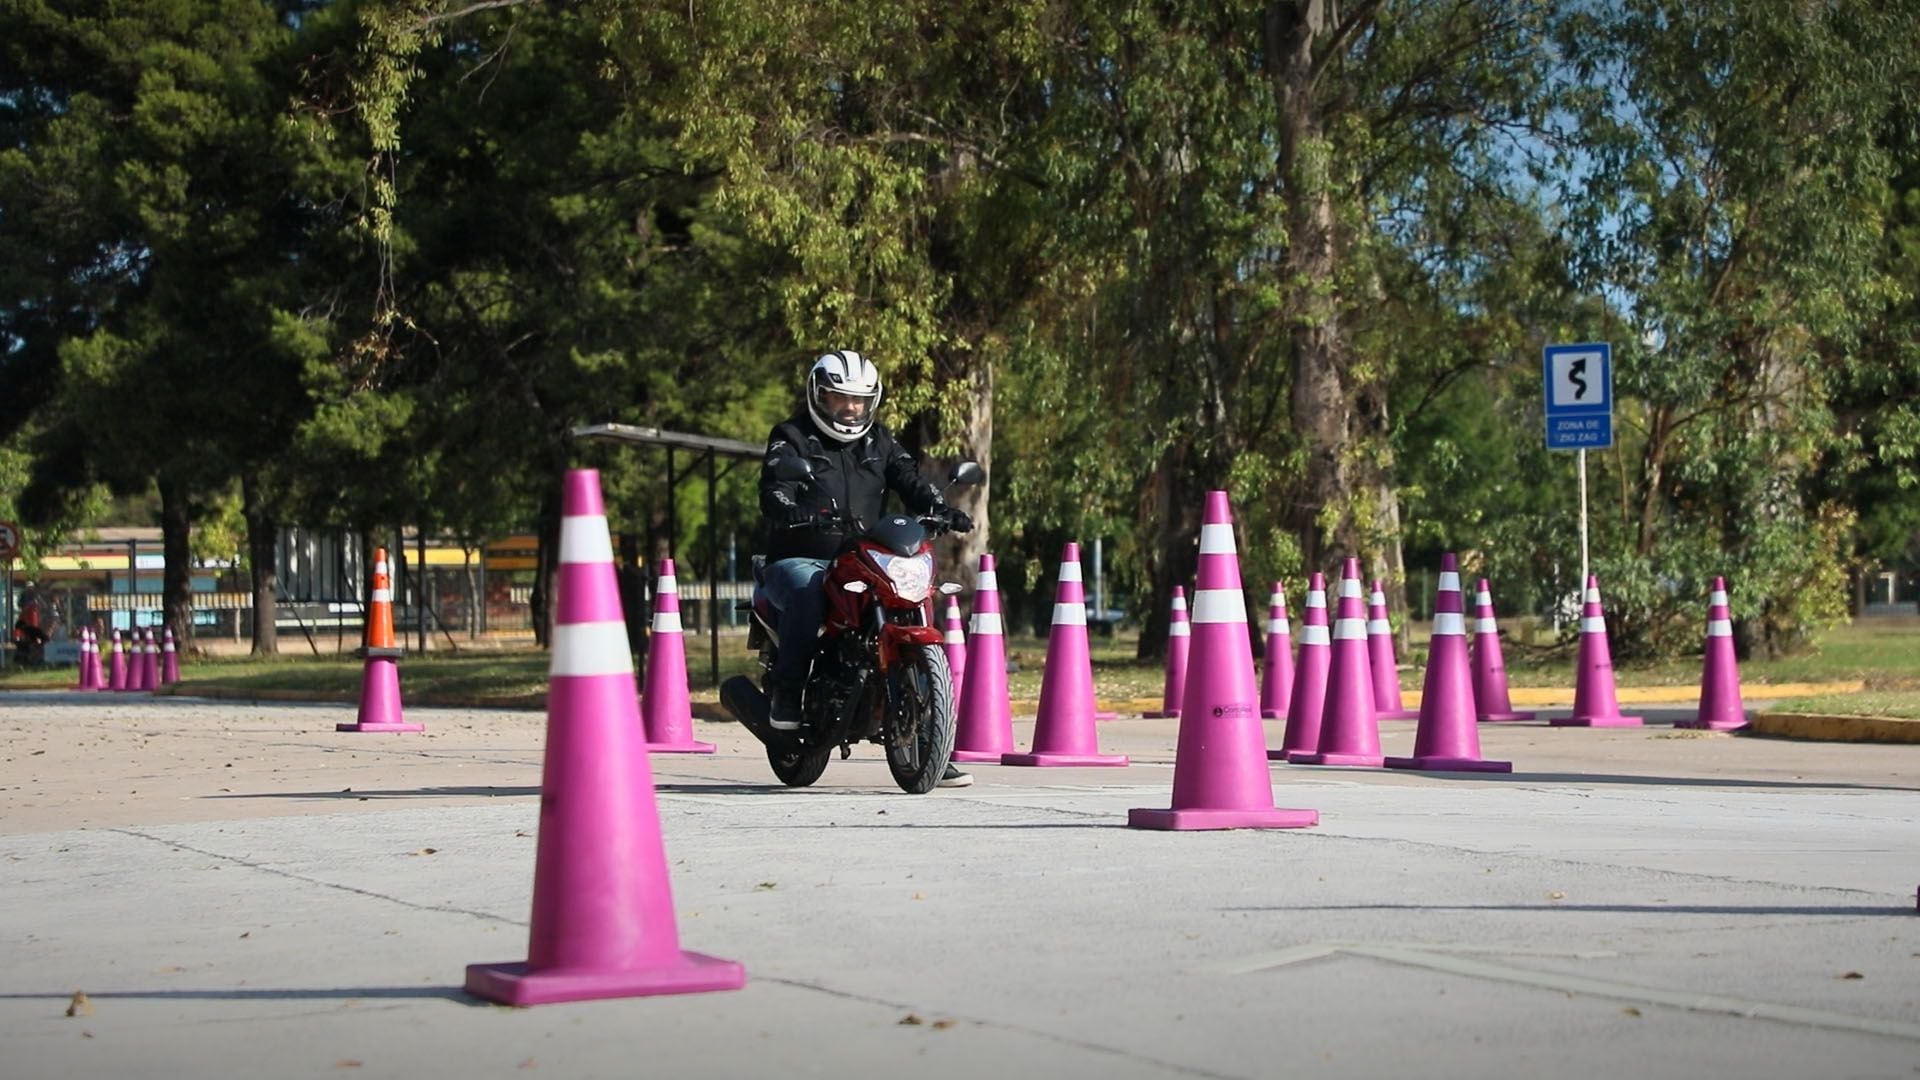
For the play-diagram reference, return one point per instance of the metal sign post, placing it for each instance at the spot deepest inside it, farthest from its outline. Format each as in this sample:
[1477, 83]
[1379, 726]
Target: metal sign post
[9, 547]
[1579, 413]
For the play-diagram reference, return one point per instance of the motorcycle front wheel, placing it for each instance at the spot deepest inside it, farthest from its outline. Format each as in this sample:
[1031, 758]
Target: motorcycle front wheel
[798, 766]
[920, 718]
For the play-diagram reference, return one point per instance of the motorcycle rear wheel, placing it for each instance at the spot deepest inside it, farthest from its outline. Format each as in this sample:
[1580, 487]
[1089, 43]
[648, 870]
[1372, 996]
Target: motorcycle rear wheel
[920, 696]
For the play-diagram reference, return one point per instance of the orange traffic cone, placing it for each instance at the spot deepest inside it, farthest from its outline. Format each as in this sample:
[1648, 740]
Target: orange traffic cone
[603, 922]
[380, 679]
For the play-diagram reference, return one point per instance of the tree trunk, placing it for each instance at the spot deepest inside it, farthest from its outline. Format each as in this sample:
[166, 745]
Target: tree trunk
[546, 564]
[262, 532]
[1169, 517]
[958, 556]
[176, 589]
[1318, 402]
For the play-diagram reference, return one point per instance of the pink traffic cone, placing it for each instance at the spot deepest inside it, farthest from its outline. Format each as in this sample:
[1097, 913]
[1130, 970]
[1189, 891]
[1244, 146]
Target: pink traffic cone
[93, 652]
[1308, 702]
[1349, 729]
[137, 660]
[1276, 681]
[984, 731]
[169, 660]
[1063, 728]
[1220, 775]
[1380, 659]
[1448, 739]
[1489, 667]
[83, 677]
[1595, 703]
[117, 679]
[666, 708]
[1720, 705]
[603, 921]
[380, 677]
[955, 646]
[152, 646]
[1179, 645]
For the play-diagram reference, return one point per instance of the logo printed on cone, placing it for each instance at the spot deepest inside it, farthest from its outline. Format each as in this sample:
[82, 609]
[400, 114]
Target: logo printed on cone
[1276, 681]
[1448, 739]
[1220, 774]
[1307, 704]
[380, 678]
[666, 708]
[1490, 700]
[1063, 728]
[1595, 702]
[603, 922]
[984, 731]
[1179, 647]
[1349, 727]
[1381, 660]
[1720, 706]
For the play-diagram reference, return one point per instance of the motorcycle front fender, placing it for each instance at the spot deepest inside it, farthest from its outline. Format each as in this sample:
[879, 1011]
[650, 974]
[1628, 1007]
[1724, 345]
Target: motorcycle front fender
[894, 636]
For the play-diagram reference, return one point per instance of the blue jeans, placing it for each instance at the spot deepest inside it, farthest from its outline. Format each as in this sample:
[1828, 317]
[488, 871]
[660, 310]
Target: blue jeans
[792, 586]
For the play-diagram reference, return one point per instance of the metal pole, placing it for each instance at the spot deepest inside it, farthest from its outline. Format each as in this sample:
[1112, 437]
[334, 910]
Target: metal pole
[713, 567]
[1584, 572]
[6, 655]
[419, 576]
[1099, 581]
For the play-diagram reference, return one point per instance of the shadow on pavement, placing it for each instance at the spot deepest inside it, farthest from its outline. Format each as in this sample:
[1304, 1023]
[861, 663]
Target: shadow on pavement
[1625, 909]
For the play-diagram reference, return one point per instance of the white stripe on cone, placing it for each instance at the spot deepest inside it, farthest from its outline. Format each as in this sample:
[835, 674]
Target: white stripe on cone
[989, 581]
[668, 584]
[1719, 628]
[1069, 571]
[584, 539]
[666, 622]
[1180, 629]
[1069, 614]
[1217, 539]
[1593, 625]
[595, 648]
[1219, 605]
[1350, 629]
[1486, 626]
[986, 622]
[1719, 597]
[1449, 624]
[1313, 635]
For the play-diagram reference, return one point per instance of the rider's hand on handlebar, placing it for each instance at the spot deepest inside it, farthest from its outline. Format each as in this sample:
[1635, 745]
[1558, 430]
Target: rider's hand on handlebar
[954, 518]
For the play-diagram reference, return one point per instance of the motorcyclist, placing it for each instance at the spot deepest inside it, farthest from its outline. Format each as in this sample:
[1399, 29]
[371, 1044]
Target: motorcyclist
[855, 462]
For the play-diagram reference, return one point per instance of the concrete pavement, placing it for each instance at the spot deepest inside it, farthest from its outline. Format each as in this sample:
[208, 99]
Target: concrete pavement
[241, 891]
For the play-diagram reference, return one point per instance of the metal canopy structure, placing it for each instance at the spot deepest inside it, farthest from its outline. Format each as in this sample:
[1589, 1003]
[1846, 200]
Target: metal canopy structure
[709, 450]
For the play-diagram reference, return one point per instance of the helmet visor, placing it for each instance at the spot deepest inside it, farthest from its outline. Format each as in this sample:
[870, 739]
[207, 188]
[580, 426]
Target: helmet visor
[847, 410]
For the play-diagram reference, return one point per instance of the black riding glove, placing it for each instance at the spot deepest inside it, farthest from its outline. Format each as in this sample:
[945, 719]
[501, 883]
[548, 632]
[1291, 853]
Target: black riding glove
[798, 517]
[955, 519]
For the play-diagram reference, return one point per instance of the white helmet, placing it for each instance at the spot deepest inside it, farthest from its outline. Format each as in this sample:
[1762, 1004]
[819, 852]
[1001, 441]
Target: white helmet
[855, 385]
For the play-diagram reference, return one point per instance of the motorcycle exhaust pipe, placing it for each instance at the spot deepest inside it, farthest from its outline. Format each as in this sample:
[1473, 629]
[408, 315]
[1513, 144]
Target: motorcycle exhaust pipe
[744, 699]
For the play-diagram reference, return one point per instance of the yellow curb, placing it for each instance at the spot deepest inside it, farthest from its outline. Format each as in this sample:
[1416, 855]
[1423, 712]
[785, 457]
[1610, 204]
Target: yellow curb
[1877, 729]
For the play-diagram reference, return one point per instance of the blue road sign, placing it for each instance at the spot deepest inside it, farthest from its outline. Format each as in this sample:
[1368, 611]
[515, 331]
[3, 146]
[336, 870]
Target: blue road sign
[1579, 384]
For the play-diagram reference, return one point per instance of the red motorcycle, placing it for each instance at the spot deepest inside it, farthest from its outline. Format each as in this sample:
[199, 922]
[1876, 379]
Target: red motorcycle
[879, 673]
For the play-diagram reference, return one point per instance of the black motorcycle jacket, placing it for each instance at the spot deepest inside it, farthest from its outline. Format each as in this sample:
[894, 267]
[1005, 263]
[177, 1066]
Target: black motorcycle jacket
[852, 478]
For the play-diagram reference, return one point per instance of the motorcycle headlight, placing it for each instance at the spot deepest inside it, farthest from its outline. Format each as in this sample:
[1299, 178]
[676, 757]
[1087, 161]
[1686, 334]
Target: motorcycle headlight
[912, 575]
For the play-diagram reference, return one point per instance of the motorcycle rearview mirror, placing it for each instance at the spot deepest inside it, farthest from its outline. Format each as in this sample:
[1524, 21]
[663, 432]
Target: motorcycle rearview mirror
[792, 467]
[854, 586]
[950, 588]
[966, 474]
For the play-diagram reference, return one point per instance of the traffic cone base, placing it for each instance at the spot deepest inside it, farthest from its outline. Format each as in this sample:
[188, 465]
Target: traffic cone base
[517, 984]
[1616, 720]
[1449, 764]
[1201, 818]
[1362, 761]
[380, 700]
[1045, 760]
[1506, 717]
